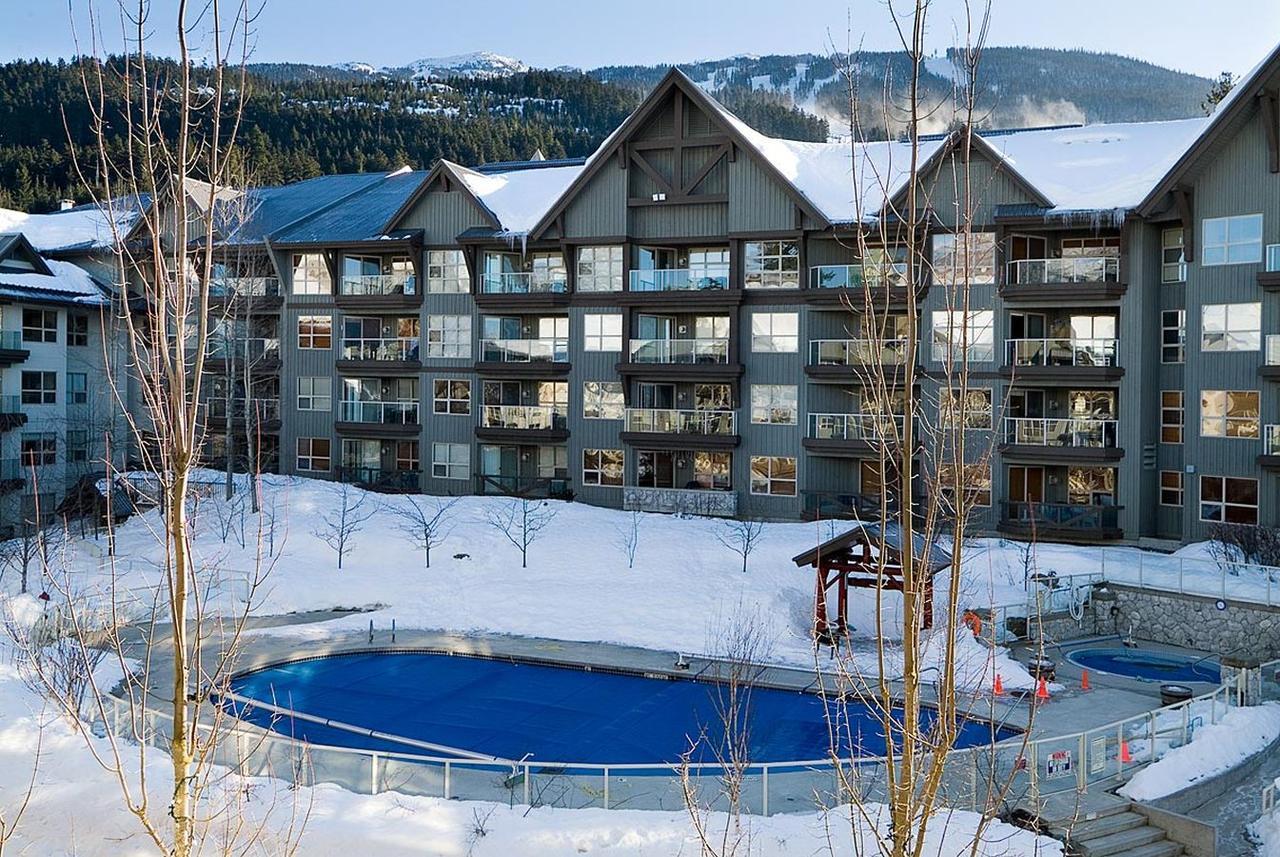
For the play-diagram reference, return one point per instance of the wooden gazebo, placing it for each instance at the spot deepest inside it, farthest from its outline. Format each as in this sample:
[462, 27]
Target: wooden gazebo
[853, 559]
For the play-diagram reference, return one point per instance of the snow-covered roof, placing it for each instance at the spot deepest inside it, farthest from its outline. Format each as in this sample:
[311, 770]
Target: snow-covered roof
[86, 228]
[518, 199]
[69, 284]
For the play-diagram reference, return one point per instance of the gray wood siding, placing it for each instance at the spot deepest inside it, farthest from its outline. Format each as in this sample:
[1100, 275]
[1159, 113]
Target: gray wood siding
[600, 209]
[757, 203]
[694, 220]
[989, 186]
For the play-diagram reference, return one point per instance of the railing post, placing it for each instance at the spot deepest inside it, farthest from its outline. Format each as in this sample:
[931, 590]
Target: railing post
[764, 790]
[1119, 747]
[606, 788]
[1151, 727]
[527, 792]
[373, 773]
[1140, 568]
[448, 792]
[1082, 778]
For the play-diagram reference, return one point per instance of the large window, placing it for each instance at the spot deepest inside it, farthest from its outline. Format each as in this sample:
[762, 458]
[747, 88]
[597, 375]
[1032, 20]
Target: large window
[602, 400]
[773, 475]
[39, 325]
[599, 269]
[451, 461]
[952, 331]
[1229, 413]
[77, 388]
[978, 412]
[39, 388]
[712, 471]
[1172, 414]
[602, 467]
[975, 480]
[602, 332]
[775, 332]
[447, 272]
[451, 396]
[1231, 327]
[449, 336]
[314, 454]
[315, 331]
[39, 449]
[1232, 240]
[1229, 499]
[1173, 265]
[1173, 336]
[311, 275]
[774, 404]
[77, 329]
[77, 446]
[315, 394]
[771, 265]
[949, 264]
[1171, 488]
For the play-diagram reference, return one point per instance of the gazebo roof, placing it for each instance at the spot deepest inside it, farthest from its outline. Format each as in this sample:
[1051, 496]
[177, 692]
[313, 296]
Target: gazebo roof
[876, 534]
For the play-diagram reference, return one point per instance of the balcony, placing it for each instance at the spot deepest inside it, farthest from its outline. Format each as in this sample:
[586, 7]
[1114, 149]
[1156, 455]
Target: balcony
[852, 435]
[264, 413]
[839, 505]
[1062, 360]
[380, 354]
[379, 291]
[1270, 457]
[12, 349]
[680, 501]
[261, 353]
[1270, 368]
[522, 283]
[850, 359]
[1269, 277]
[1084, 277]
[378, 419]
[680, 279]
[523, 424]
[1071, 440]
[853, 284]
[523, 358]
[1065, 521]
[681, 428]
[247, 293]
[523, 486]
[691, 358]
[12, 475]
[385, 481]
[11, 415]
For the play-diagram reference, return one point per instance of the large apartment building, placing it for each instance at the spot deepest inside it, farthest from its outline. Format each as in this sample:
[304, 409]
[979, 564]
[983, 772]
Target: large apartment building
[672, 323]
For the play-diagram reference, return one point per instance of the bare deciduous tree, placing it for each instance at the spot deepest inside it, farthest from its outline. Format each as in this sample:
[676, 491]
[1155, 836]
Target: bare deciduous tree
[740, 535]
[627, 536]
[521, 521]
[338, 526]
[425, 520]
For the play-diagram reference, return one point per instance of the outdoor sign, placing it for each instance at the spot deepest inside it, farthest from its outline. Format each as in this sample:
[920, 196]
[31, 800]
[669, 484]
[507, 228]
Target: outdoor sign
[1058, 764]
[1098, 755]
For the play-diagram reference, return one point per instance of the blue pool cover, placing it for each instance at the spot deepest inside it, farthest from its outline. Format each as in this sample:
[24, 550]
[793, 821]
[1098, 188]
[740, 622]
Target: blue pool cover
[548, 713]
[1146, 665]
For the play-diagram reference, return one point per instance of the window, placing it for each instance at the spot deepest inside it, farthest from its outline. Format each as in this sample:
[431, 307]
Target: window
[948, 258]
[314, 454]
[311, 275]
[1170, 488]
[451, 397]
[77, 388]
[978, 412]
[1232, 240]
[775, 332]
[602, 400]
[39, 449]
[1173, 265]
[1231, 327]
[553, 462]
[949, 326]
[1173, 336]
[602, 467]
[1229, 413]
[771, 265]
[315, 331]
[775, 404]
[447, 272]
[975, 479]
[39, 325]
[599, 269]
[407, 456]
[77, 329]
[774, 475]
[451, 461]
[1229, 499]
[77, 446]
[449, 336]
[1171, 416]
[39, 388]
[713, 470]
[602, 332]
[315, 394]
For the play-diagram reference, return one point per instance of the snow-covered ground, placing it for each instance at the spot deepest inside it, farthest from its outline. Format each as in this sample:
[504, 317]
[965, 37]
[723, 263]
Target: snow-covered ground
[1266, 831]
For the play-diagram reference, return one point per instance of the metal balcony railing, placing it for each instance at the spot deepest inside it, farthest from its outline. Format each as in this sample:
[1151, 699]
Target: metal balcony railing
[11, 340]
[522, 283]
[11, 470]
[1060, 516]
[524, 417]
[255, 287]
[856, 276]
[383, 413]
[680, 279]
[1273, 257]
[1273, 349]
[524, 350]
[681, 421]
[1075, 269]
[1076, 432]
[380, 284]
[857, 352]
[522, 486]
[868, 427]
[263, 410]
[680, 351]
[255, 350]
[1061, 352]
[380, 479]
[10, 404]
[384, 348]
[1271, 440]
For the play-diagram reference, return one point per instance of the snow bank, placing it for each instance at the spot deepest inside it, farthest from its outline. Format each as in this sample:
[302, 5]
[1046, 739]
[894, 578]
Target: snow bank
[1214, 749]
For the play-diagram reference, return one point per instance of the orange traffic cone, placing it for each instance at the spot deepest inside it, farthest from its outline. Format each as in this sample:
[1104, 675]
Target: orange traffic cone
[1124, 752]
[998, 690]
[1042, 690]
[1084, 679]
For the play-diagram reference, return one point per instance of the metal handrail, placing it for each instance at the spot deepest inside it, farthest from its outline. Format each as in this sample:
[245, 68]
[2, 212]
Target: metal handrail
[524, 417]
[1075, 432]
[872, 427]
[1271, 440]
[522, 283]
[380, 348]
[258, 287]
[253, 348]
[1062, 351]
[524, 350]
[681, 421]
[1072, 269]
[857, 352]
[385, 413]
[1273, 349]
[698, 350]
[380, 284]
[680, 279]
[855, 276]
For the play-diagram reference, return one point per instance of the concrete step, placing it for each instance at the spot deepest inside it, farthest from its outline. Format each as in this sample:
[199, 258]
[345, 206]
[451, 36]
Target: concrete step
[1124, 842]
[1163, 848]
[1112, 822]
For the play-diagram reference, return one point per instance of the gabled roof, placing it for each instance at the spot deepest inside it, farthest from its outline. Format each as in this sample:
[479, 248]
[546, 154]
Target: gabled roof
[64, 284]
[16, 244]
[888, 534]
[267, 210]
[86, 228]
[360, 216]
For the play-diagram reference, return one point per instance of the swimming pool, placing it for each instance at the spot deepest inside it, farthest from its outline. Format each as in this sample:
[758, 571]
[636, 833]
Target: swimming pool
[513, 710]
[1147, 665]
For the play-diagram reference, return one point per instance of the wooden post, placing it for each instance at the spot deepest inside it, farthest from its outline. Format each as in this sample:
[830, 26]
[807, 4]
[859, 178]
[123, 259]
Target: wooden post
[820, 630]
[842, 624]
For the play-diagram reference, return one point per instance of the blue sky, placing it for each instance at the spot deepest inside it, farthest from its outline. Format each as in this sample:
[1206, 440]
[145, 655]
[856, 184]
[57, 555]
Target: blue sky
[589, 33]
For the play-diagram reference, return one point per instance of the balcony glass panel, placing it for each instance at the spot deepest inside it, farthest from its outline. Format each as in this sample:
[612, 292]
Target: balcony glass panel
[1073, 269]
[1077, 433]
[258, 287]
[1061, 352]
[1271, 440]
[681, 279]
[524, 350]
[402, 283]
[384, 413]
[869, 427]
[253, 350]
[857, 352]
[523, 417]
[876, 275]
[677, 421]
[523, 283]
[715, 350]
[1067, 516]
[382, 348]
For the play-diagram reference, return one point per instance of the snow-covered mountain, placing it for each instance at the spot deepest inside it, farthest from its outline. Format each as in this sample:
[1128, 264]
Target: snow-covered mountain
[482, 65]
